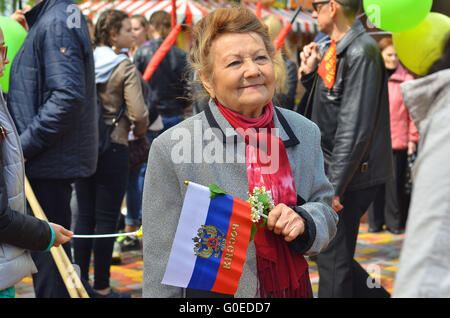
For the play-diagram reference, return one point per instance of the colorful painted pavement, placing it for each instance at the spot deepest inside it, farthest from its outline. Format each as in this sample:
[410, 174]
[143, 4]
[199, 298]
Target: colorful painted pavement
[378, 253]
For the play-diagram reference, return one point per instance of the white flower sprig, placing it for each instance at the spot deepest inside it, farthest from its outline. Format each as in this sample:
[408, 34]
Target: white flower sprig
[261, 203]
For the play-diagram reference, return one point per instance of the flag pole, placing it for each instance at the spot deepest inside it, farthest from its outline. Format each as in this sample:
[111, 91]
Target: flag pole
[279, 40]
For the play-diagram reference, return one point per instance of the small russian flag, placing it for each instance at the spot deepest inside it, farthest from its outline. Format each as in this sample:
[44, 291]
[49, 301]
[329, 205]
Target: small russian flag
[210, 244]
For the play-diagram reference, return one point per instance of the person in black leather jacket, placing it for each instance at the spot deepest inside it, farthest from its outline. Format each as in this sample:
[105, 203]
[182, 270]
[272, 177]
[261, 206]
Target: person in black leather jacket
[52, 100]
[168, 92]
[353, 116]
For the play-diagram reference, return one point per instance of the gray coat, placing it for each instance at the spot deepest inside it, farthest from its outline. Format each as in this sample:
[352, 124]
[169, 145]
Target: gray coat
[172, 161]
[424, 269]
[15, 262]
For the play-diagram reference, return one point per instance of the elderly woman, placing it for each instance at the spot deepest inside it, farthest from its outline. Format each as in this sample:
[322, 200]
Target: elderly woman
[233, 55]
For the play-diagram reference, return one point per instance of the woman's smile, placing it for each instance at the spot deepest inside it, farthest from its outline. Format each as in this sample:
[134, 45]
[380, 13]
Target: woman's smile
[253, 86]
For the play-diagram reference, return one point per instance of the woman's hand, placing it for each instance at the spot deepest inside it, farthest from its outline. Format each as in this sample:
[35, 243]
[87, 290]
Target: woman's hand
[285, 221]
[336, 205]
[412, 147]
[62, 235]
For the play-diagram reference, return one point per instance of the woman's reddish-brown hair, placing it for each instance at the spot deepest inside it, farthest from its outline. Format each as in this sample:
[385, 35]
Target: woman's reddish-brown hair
[385, 42]
[234, 19]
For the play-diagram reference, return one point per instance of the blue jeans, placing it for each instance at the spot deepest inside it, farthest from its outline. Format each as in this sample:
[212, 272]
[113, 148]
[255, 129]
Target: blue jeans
[136, 178]
[134, 198]
[171, 121]
[135, 189]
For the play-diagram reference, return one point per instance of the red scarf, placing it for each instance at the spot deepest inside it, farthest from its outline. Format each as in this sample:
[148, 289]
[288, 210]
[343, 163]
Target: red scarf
[281, 272]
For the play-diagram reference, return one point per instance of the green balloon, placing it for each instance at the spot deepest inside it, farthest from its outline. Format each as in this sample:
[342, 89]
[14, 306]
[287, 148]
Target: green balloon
[423, 45]
[396, 15]
[14, 35]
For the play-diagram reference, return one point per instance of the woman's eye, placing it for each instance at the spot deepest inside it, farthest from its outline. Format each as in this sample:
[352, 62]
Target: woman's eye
[234, 63]
[261, 58]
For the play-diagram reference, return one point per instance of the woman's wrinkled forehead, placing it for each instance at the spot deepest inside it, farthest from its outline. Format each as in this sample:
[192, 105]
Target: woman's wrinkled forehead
[232, 44]
[225, 39]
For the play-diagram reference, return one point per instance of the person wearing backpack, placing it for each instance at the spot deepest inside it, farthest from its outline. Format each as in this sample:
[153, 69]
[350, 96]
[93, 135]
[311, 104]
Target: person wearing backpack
[100, 196]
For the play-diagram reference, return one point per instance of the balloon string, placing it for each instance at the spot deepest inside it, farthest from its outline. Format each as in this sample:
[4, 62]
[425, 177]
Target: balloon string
[103, 235]
[138, 233]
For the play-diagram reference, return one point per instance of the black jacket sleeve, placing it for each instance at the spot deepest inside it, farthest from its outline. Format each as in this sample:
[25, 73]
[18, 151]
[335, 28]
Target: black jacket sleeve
[307, 80]
[305, 106]
[304, 242]
[18, 229]
[24, 231]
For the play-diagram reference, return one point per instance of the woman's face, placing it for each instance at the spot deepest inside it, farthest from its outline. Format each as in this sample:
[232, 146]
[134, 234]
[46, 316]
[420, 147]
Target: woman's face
[242, 77]
[125, 38]
[139, 32]
[390, 57]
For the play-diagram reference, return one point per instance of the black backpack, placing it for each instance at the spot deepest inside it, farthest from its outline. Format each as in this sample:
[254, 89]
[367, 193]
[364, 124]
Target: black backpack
[104, 130]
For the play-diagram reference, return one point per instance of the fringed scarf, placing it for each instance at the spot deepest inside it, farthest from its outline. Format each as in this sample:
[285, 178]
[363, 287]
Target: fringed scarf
[281, 271]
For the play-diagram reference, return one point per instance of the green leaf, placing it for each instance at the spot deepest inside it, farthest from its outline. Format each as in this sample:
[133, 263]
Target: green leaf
[253, 232]
[263, 223]
[215, 190]
[255, 228]
[263, 198]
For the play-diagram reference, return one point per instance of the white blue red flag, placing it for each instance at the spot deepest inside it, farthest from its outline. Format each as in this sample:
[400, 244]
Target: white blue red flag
[210, 243]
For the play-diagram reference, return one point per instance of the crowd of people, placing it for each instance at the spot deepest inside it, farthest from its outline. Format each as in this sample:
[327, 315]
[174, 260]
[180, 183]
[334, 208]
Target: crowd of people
[78, 105]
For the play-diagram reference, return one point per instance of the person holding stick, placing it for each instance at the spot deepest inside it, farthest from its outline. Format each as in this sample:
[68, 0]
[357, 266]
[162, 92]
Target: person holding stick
[19, 232]
[53, 103]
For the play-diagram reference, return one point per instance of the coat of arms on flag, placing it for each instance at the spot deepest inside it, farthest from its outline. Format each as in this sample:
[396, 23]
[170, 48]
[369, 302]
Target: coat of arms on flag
[210, 244]
[209, 241]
